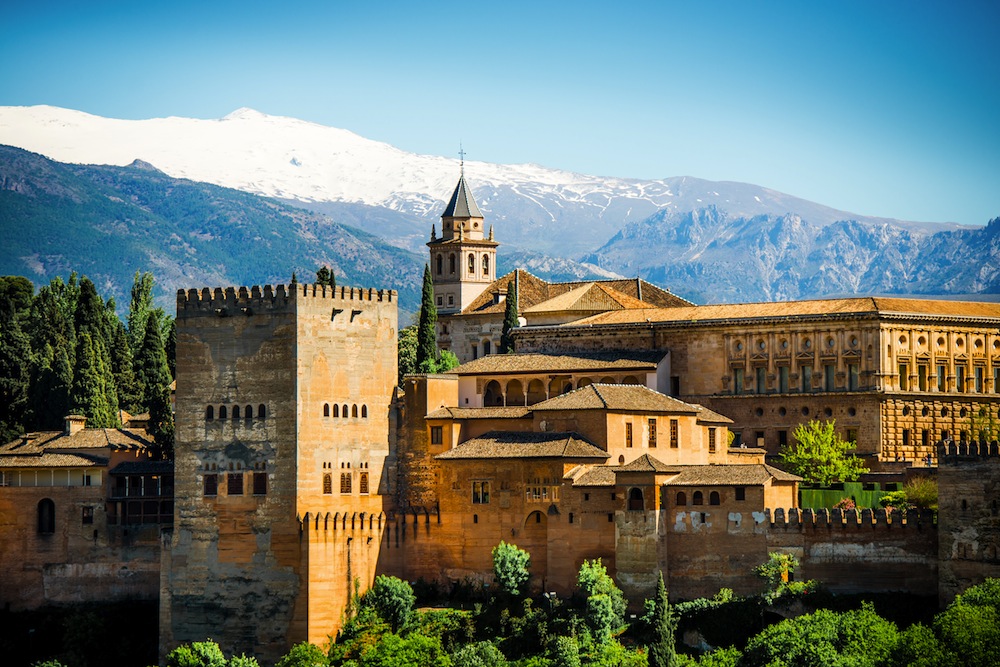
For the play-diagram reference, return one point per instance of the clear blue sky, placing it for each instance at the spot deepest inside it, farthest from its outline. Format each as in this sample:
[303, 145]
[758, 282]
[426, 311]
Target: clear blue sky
[879, 107]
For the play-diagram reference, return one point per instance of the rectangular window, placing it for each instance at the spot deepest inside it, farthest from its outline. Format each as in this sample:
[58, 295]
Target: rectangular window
[327, 484]
[451, 299]
[675, 385]
[440, 301]
[979, 370]
[211, 485]
[942, 374]
[829, 377]
[925, 438]
[759, 436]
[628, 434]
[363, 484]
[480, 493]
[960, 379]
[761, 379]
[922, 377]
[807, 378]
[88, 516]
[711, 441]
[345, 482]
[437, 435]
[652, 433]
[906, 437]
[741, 493]
[852, 435]
[783, 379]
[234, 484]
[853, 377]
[674, 439]
[260, 483]
[904, 377]
[737, 380]
[782, 438]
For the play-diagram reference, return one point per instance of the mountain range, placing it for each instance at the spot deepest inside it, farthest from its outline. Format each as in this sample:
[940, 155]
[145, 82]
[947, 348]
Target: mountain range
[707, 241]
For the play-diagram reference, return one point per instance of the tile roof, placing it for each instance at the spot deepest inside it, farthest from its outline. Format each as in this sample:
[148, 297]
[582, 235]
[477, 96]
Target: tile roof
[723, 474]
[143, 468]
[589, 297]
[509, 412]
[52, 460]
[56, 448]
[591, 476]
[462, 204]
[647, 463]
[815, 308]
[616, 397]
[711, 416]
[493, 364]
[513, 444]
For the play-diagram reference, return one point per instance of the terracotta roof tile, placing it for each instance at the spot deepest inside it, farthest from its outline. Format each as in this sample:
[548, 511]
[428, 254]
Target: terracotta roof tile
[52, 460]
[589, 297]
[730, 474]
[646, 463]
[591, 475]
[617, 397]
[493, 364]
[512, 444]
[509, 412]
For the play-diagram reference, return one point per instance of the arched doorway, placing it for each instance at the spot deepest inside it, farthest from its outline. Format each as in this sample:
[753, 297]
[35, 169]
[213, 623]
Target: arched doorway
[492, 396]
[635, 501]
[536, 392]
[515, 393]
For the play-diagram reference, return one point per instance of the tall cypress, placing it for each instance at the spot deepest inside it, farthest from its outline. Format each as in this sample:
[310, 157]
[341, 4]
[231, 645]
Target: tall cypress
[15, 351]
[129, 395]
[662, 650]
[426, 328]
[89, 393]
[140, 307]
[325, 276]
[509, 320]
[151, 366]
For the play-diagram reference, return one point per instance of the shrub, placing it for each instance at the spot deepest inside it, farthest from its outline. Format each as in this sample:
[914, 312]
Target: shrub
[479, 654]
[846, 504]
[511, 566]
[197, 654]
[304, 654]
[392, 599]
[243, 660]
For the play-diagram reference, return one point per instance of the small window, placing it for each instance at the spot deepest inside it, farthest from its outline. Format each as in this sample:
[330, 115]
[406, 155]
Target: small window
[345, 412]
[46, 516]
[210, 413]
[611, 517]
[475, 518]
[222, 412]
[248, 414]
[652, 433]
[234, 484]
[451, 299]
[327, 484]
[711, 441]
[440, 300]
[261, 412]
[326, 409]
[635, 500]
[741, 493]
[714, 498]
[673, 434]
[487, 348]
[345, 482]
[698, 498]
[363, 483]
[480, 493]
[336, 410]
[451, 263]
[571, 517]
[211, 485]
[682, 499]
[236, 412]
[486, 265]
[88, 516]
[354, 410]
[364, 412]
[439, 262]
[437, 435]
[472, 263]
[260, 483]
[628, 434]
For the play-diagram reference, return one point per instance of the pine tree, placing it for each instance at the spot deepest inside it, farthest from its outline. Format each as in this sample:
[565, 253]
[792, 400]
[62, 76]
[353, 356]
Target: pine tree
[151, 365]
[662, 651]
[325, 276]
[509, 320]
[426, 328]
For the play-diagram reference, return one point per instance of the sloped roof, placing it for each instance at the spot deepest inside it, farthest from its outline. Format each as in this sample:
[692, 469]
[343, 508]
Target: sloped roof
[88, 438]
[616, 397]
[723, 474]
[589, 475]
[509, 412]
[462, 204]
[646, 463]
[588, 297]
[711, 416]
[517, 445]
[52, 460]
[493, 364]
[861, 306]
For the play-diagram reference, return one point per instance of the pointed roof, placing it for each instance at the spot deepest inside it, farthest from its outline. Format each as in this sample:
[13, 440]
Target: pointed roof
[462, 204]
[525, 445]
[587, 297]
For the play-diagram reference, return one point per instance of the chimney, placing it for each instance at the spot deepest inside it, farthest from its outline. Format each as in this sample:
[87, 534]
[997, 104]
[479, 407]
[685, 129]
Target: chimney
[75, 424]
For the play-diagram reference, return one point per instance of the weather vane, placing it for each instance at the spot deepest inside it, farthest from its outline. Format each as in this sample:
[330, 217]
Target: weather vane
[461, 155]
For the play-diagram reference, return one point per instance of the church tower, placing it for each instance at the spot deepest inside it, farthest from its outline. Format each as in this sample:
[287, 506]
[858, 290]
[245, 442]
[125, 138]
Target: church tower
[463, 258]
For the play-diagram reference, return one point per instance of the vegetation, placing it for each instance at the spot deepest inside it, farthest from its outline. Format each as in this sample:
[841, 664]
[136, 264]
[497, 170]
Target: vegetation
[427, 352]
[820, 456]
[64, 350]
[918, 493]
[510, 321]
[662, 649]
[392, 599]
[325, 276]
[511, 566]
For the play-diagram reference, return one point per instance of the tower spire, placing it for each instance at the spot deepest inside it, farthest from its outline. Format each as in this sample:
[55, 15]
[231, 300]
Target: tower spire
[461, 155]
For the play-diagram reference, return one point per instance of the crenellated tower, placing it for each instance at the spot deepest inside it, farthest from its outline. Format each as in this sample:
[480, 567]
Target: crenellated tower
[463, 258]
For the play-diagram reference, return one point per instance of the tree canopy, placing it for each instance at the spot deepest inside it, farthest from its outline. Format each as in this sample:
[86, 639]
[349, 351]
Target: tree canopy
[820, 456]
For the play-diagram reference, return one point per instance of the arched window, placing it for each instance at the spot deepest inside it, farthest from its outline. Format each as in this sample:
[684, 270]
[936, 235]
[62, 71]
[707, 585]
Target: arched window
[248, 413]
[236, 412]
[697, 499]
[364, 412]
[472, 264]
[346, 412]
[486, 265]
[713, 498]
[261, 412]
[327, 484]
[210, 413]
[635, 502]
[354, 410]
[46, 516]
[363, 483]
[682, 499]
[345, 482]
[222, 412]
[326, 409]
[451, 263]
[336, 410]
[439, 262]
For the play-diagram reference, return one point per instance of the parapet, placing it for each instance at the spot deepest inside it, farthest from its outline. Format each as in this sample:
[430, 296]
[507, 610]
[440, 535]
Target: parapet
[881, 518]
[230, 301]
[953, 452]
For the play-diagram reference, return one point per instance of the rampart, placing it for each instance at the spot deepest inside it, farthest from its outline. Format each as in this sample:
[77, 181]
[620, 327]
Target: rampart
[229, 301]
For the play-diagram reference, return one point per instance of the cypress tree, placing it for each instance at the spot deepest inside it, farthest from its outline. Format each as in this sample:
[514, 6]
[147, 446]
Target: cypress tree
[89, 393]
[140, 306]
[51, 381]
[170, 347]
[662, 651]
[426, 328]
[151, 365]
[509, 320]
[121, 367]
[15, 351]
[324, 276]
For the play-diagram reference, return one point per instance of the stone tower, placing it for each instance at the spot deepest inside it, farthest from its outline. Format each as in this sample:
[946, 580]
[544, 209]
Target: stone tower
[463, 259]
[283, 467]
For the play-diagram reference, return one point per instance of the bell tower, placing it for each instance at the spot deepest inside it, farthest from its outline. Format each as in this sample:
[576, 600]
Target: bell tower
[463, 258]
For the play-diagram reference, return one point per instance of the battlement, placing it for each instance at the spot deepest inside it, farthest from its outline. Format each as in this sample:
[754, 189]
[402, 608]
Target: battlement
[951, 452]
[878, 519]
[230, 301]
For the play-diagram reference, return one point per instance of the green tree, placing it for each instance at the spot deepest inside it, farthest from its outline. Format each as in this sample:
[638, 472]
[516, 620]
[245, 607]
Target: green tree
[325, 276]
[129, 396]
[100, 396]
[446, 361]
[427, 354]
[918, 646]
[140, 308]
[511, 566]
[197, 654]
[820, 456]
[89, 393]
[243, 660]
[479, 654]
[392, 599]
[605, 602]
[407, 352]
[565, 652]
[15, 351]
[509, 320]
[415, 650]
[154, 377]
[16, 296]
[662, 650]
[304, 654]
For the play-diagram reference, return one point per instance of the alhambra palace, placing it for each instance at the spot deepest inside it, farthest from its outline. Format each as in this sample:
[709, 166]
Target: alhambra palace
[630, 425]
